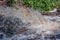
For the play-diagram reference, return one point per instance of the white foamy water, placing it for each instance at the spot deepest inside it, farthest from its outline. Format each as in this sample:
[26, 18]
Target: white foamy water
[38, 25]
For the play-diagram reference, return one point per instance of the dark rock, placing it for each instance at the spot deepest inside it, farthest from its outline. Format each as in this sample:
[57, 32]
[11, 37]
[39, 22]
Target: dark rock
[1, 36]
[10, 24]
[58, 36]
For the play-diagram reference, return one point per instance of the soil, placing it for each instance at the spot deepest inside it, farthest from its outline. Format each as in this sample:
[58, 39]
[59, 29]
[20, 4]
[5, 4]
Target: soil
[51, 13]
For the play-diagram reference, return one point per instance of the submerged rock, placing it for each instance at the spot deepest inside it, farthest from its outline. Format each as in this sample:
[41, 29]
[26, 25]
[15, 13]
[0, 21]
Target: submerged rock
[10, 24]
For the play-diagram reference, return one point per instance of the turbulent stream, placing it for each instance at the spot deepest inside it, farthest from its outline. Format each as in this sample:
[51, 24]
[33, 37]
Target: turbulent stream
[34, 26]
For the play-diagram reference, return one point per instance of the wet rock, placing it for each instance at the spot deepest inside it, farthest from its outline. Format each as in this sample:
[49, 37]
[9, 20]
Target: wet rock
[10, 25]
[1, 36]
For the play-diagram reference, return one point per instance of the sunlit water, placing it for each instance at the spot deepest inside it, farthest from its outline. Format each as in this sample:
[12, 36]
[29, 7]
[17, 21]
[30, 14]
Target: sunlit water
[38, 26]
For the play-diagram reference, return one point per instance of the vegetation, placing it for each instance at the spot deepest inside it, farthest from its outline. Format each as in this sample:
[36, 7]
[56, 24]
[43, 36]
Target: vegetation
[11, 2]
[41, 5]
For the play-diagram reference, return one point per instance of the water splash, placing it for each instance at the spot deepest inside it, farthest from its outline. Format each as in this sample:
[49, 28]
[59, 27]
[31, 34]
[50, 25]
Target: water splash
[35, 23]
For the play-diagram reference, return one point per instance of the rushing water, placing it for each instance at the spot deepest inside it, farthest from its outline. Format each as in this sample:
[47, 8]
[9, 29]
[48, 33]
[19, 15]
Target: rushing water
[34, 26]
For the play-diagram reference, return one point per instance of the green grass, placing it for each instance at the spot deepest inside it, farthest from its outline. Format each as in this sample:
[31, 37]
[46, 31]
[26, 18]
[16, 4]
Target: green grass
[41, 5]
